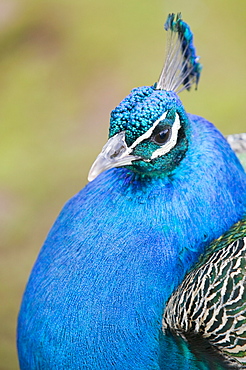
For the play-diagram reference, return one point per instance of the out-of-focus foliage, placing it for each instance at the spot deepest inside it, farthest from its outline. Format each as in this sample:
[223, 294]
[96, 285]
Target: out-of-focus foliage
[63, 66]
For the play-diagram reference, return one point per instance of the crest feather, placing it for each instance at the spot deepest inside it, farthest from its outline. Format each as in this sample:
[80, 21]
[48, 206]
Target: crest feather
[181, 65]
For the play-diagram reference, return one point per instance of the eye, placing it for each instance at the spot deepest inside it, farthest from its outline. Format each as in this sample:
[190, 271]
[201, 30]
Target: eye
[163, 136]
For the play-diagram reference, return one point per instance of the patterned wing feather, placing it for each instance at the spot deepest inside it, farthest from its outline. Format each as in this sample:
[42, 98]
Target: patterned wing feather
[238, 144]
[211, 301]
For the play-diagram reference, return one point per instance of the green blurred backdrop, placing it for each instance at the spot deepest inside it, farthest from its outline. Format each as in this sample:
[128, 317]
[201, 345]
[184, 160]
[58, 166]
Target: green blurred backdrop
[64, 65]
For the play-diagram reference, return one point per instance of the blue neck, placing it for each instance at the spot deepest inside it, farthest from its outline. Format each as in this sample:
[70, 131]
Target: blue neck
[108, 280]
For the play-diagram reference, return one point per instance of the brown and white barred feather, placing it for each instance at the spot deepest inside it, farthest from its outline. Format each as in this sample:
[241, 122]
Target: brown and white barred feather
[211, 302]
[238, 144]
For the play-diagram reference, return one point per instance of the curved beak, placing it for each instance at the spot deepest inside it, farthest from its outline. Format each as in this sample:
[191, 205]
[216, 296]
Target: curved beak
[115, 153]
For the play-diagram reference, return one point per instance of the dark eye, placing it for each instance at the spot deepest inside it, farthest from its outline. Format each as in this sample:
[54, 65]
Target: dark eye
[162, 137]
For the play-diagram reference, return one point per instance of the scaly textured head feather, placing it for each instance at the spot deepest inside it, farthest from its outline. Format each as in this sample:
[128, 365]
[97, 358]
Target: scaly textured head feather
[181, 65]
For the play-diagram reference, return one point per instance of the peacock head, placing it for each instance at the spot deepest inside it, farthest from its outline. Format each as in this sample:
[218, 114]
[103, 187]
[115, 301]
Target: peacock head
[149, 129]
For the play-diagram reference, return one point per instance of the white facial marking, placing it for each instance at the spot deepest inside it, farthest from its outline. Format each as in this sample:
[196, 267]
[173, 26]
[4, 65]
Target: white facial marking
[115, 152]
[148, 133]
[166, 147]
[171, 142]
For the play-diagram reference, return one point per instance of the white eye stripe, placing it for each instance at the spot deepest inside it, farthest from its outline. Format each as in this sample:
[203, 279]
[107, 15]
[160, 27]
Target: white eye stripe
[166, 147]
[148, 133]
[171, 142]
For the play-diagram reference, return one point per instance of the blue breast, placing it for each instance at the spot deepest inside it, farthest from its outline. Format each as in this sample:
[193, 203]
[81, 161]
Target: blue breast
[117, 251]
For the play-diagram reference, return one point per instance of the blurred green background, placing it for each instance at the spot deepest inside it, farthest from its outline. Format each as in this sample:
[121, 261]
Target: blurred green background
[64, 65]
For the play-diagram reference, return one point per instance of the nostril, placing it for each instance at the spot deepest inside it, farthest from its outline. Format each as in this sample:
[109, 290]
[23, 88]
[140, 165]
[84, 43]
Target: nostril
[118, 152]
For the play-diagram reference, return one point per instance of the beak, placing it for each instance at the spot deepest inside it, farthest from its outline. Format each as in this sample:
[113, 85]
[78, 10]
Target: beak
[115, 153]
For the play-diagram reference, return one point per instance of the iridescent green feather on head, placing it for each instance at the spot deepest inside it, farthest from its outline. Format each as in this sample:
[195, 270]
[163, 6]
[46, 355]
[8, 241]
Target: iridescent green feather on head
[145, 113]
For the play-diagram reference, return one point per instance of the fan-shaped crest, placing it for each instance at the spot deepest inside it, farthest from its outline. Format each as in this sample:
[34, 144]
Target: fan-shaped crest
[181, 65]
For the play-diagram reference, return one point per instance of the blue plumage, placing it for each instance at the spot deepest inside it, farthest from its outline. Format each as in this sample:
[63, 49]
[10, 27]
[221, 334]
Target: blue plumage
[120, 247]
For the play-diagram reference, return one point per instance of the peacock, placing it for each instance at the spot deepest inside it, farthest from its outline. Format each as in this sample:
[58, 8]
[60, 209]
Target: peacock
[145, 267]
